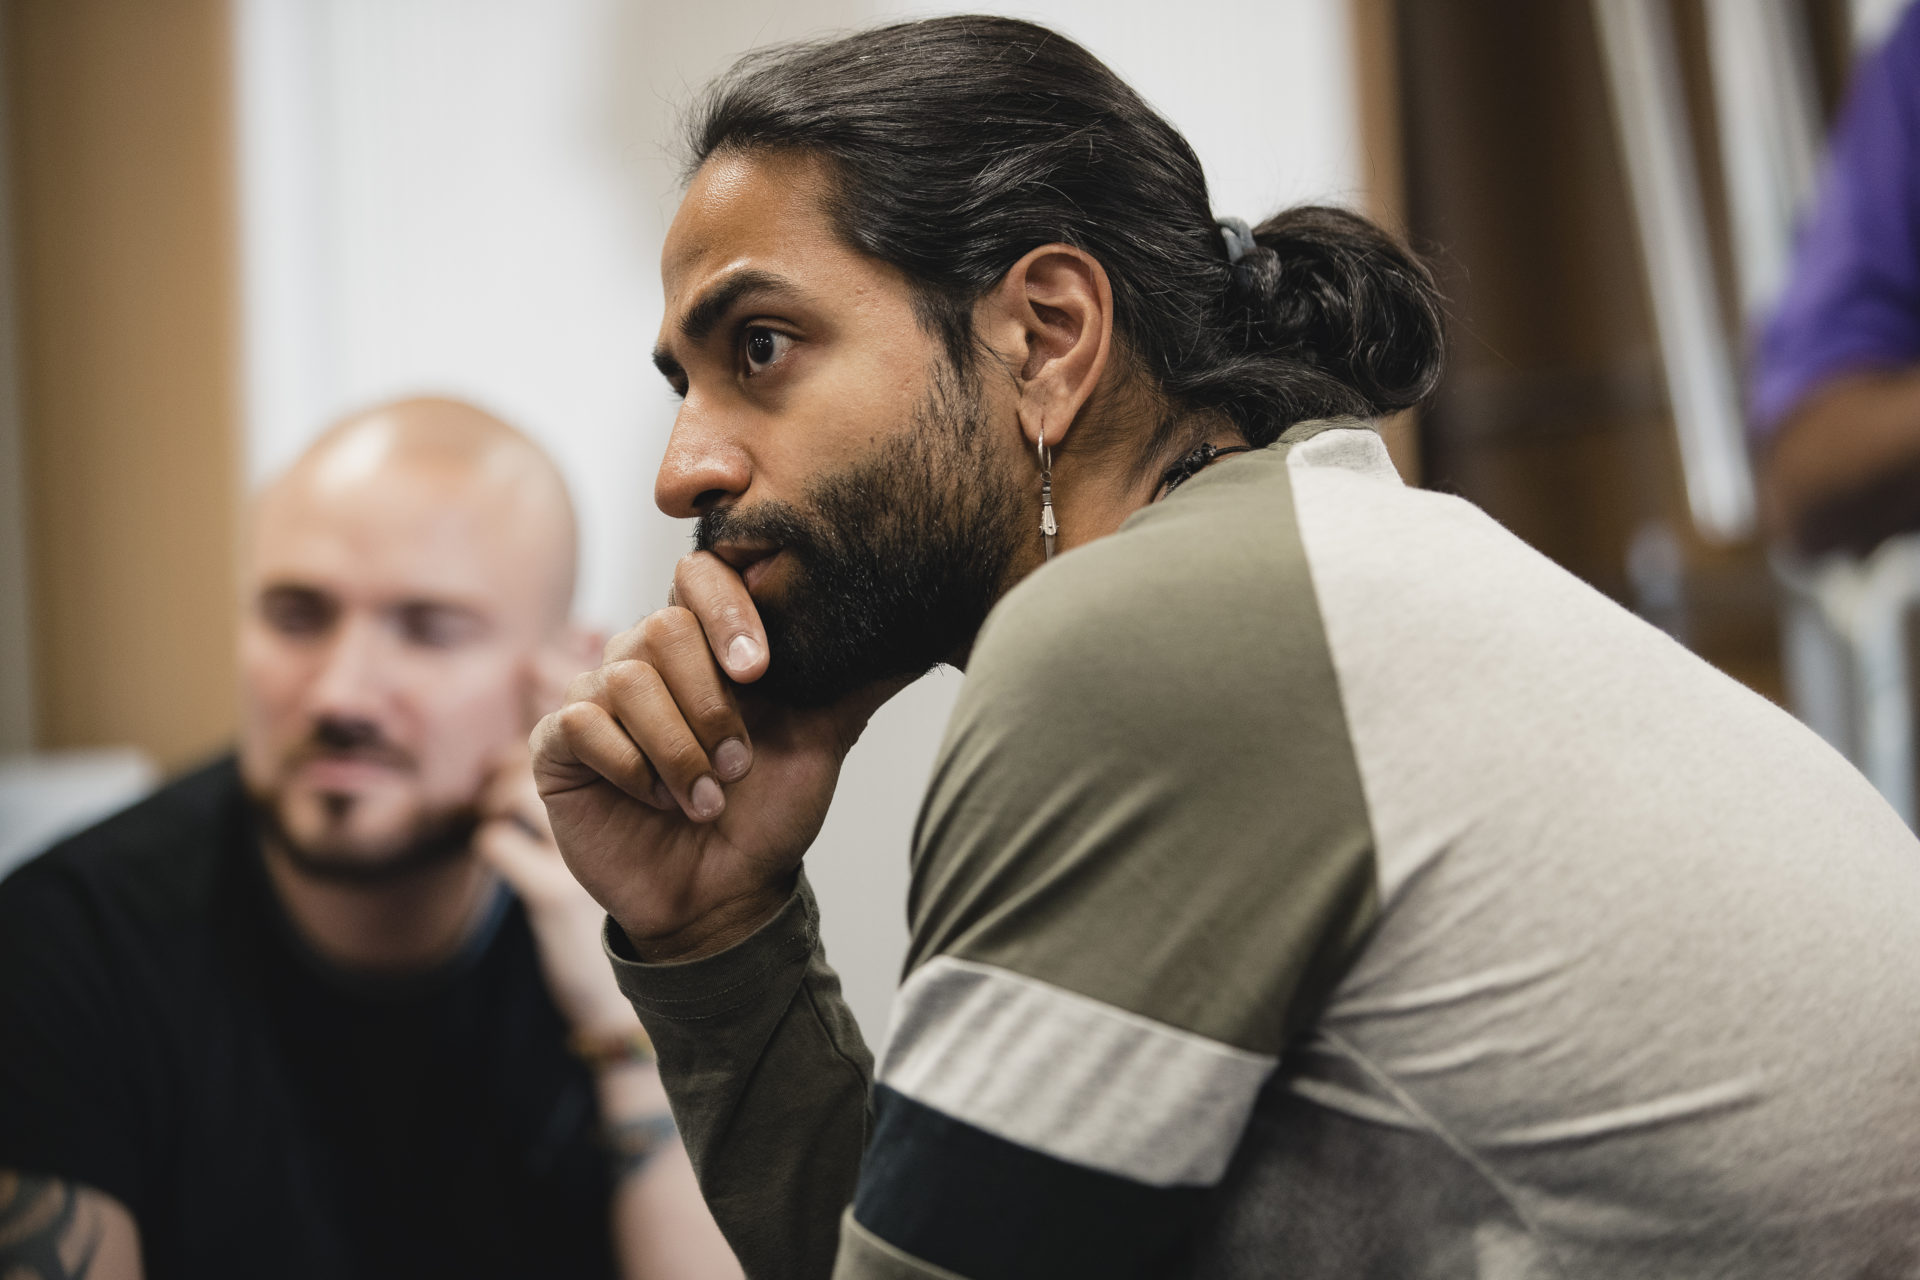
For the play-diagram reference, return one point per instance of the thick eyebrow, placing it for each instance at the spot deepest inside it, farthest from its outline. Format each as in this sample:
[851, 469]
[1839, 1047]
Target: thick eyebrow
[712, 306]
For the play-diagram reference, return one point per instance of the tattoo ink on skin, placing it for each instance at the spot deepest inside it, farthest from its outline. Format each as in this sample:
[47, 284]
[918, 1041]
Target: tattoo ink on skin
[47, 1232]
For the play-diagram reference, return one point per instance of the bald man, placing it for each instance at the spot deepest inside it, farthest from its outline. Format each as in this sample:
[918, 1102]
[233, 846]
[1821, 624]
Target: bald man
[332, 1006]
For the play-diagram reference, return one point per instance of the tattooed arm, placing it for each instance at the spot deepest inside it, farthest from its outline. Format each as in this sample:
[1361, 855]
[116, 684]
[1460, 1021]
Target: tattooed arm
[52, 1229]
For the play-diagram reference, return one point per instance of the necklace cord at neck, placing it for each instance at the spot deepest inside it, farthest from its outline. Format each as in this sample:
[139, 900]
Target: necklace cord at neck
[1192, 464]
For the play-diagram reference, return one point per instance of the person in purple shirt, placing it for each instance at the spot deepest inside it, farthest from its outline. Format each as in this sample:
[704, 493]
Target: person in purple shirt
[1836, 389]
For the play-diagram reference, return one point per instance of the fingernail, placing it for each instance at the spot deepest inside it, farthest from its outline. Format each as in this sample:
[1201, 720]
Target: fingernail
[743, 653]
[706, 798]
[731, 758]
[662, 796]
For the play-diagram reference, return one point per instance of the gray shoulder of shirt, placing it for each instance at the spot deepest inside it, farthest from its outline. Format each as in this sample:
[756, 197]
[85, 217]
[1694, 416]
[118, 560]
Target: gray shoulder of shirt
[1644, 939]
[1154, 719]
[1483, 683]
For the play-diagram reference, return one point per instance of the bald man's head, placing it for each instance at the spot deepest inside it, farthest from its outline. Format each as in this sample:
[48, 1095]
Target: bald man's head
[404, 579]
[437, 447]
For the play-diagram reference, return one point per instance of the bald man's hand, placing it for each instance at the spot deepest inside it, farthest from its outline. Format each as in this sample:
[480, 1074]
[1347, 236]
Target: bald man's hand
[682, 803]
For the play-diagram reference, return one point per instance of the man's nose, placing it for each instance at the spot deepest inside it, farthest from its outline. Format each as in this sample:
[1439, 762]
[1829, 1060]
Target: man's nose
[352, 684]
[701, 468]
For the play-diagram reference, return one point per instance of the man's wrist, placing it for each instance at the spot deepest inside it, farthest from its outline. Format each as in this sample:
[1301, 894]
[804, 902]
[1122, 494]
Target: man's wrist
[727, 925]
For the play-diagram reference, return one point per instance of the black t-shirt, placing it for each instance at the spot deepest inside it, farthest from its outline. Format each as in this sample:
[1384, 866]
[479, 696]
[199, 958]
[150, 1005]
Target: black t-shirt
[166, 1038]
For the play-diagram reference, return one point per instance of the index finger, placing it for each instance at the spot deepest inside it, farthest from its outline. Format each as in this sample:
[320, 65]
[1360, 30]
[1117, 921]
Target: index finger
[712, 591]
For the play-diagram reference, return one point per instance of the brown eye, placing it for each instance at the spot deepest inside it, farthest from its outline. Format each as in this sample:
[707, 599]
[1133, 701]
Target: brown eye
[763, 347]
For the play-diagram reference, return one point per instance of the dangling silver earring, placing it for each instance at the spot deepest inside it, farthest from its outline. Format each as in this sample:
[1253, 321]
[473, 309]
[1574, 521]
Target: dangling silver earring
[1049, 528]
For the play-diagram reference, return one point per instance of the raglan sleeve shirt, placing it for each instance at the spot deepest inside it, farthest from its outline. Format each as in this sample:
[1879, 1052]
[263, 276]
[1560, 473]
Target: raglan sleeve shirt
[1143, 860]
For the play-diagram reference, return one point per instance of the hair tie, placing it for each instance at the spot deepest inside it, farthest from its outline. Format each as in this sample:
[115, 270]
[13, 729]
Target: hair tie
[1238, 237]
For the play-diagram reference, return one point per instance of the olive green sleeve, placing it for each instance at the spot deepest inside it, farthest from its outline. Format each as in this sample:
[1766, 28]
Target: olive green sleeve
[769, 1081]
[1148, 781]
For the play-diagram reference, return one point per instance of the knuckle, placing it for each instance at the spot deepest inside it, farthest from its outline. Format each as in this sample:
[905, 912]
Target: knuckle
[725, 615]
[573, 720]
[667, 627]
[682, 758]
[628, 677]
[582, 687]
[712, 711]
[622, 645]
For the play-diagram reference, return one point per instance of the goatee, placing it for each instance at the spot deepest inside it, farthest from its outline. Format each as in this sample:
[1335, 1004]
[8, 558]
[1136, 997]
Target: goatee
[435, 839]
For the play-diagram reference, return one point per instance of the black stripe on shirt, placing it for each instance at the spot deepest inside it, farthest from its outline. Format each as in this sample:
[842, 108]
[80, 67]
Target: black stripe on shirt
[960, 1198]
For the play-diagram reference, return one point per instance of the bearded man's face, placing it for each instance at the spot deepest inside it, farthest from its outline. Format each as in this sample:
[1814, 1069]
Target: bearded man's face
[896, 559]
[393, 612]
[863, 485]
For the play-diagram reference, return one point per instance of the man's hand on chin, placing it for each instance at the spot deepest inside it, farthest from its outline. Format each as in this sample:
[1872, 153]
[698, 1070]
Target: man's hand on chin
[683, 804]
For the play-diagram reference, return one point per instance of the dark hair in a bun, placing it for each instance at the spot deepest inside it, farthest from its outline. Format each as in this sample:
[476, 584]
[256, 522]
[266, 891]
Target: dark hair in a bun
[1354, 317]
[959, 144]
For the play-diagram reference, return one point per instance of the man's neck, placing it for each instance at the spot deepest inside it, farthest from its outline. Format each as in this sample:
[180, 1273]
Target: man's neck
[404, 925]
[1092, 498]
[1095, 496]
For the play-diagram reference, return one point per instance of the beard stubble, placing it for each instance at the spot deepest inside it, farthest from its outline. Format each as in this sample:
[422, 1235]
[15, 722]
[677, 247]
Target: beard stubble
[896, 560]
[432, 838]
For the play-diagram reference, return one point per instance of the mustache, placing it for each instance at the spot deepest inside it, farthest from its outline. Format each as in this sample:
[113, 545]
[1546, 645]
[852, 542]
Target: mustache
[338, 738]
[770, 521]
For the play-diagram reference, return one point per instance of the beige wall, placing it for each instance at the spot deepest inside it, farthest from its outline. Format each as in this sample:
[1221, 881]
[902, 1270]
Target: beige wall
[119, 152]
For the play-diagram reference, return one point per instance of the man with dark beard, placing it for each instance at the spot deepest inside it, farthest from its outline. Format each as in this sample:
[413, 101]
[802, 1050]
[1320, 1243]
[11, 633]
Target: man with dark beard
[888, 583]
[1314, 880]
[335, 1008]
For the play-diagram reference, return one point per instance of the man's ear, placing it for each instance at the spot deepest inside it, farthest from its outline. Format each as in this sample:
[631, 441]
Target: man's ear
[1051, 318]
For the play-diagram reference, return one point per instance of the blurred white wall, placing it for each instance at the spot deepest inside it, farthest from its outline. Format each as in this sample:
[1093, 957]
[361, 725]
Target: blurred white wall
[469, 196]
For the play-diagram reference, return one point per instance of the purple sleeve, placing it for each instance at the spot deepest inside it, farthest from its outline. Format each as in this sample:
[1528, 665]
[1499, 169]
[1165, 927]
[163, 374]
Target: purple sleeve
[1853, 301]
